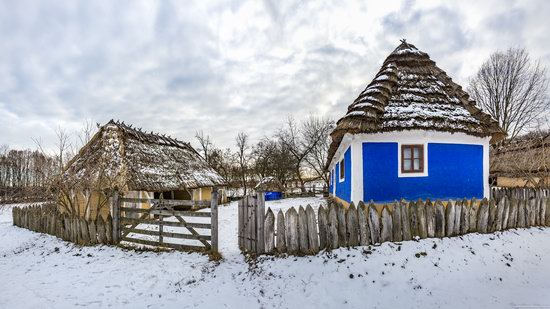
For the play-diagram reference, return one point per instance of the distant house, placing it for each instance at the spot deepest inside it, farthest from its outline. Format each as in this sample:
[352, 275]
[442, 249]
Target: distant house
[138, 165]
[412, 133]
[522, 162]
[272, 188]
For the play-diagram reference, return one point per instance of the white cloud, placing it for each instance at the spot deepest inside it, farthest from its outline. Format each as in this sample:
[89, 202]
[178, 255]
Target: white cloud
[177, 67]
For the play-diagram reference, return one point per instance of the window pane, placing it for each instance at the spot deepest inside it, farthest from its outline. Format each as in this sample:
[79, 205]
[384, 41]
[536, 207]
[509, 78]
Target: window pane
[416, 164]
[407, 165]
[407, 153]
[342, 169]
[417, 152]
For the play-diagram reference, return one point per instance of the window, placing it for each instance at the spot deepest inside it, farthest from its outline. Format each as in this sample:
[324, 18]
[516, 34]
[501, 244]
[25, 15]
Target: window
[412, 159]
[342, 170]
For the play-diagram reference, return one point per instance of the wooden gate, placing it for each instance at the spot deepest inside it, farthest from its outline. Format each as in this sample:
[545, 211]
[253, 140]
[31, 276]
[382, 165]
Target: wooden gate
[251, 214]
[162, 226]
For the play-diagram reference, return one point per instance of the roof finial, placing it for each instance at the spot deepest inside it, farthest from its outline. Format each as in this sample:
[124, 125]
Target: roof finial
[404, 41]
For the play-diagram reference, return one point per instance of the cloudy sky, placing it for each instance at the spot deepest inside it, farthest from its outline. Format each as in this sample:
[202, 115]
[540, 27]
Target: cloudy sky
[179, 66]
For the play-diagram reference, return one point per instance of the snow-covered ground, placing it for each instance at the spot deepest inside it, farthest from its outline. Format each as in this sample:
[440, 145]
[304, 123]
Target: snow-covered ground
[504, 270]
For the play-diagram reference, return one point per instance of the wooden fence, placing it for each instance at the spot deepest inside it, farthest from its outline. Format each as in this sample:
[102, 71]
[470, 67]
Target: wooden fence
[303, 231]
[46, 219]
[498, 193]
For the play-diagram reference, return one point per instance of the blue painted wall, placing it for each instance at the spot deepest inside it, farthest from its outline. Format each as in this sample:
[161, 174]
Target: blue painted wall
[454, 171]
[343, 189]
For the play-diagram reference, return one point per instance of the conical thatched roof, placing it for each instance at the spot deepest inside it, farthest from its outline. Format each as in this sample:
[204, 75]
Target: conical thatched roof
[131, 159]
[410, 92]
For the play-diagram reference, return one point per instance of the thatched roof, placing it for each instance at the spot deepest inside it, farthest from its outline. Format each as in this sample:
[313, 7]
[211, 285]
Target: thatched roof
[522, 156]
[408, 93]
[135, 160]
[270, 184]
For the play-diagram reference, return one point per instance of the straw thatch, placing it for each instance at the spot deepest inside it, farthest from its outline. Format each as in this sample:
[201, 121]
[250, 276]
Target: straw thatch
[411, 93]
[270, 184]
[138, 161]
[524, 156]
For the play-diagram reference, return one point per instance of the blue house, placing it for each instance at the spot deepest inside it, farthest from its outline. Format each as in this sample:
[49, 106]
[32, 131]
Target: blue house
[412, 133]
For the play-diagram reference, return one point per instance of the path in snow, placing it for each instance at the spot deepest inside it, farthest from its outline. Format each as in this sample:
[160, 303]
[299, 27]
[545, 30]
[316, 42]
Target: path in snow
[473, 271]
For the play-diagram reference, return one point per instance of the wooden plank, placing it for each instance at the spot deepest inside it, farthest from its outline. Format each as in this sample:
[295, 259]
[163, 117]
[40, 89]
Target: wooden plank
[303, 239]
[492, 216]
[473, 215]
[396, 222]
[413, 219]
[352, 226]
[260, 219]
[291, 224]
[167, 212]
[387, 227]
[421, 216]
[439, 219]
[450, 218]
[240, 221]
[173, 203]
[374, 224]
[542, 212]
[458, 217]
[547, 212]
[363, 221]
[213, 220]
[269, 230]
[430, 219]
[165, 245]
[281, 234]
[513, 216]
[93, 233]
[166, 234]
[506, 213]
[116, 218]
[161, 230]
[342, 233]
[483, 216]
[521, 213]
[332, 230]
[125, 221]
[313, 235]
[323, 226]
[405, 222]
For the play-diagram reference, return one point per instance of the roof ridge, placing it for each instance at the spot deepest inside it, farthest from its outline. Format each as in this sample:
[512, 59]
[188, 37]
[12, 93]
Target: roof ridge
[151, 137]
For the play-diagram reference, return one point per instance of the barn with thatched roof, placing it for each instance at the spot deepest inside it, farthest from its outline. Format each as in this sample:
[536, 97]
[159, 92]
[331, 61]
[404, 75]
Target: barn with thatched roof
[412, 133]
[523, 161]
[137, 164]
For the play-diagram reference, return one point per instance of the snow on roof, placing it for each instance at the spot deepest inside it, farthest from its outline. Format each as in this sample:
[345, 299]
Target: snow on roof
[142, 161]
[409, 93]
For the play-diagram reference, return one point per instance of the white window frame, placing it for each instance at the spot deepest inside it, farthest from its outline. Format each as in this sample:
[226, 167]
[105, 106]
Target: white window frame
[342, 163]
[400, 174]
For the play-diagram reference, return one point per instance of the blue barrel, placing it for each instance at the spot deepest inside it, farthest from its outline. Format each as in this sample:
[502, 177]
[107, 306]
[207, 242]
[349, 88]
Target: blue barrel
[272, 196]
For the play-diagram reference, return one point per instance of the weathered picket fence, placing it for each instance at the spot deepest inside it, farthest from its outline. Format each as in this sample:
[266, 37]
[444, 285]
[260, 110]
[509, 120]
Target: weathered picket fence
[46, 219]
[304, 231]
[498, 193]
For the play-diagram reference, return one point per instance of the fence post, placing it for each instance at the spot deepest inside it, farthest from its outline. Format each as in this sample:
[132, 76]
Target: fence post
[214, 220]
[116, 218]
[260, 219]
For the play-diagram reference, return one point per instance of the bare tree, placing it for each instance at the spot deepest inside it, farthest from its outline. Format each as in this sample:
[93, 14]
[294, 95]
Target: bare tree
[301, 141]
[63, 146]
[242, 158]
[318, 130]
[205, 144]
[512, 89]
